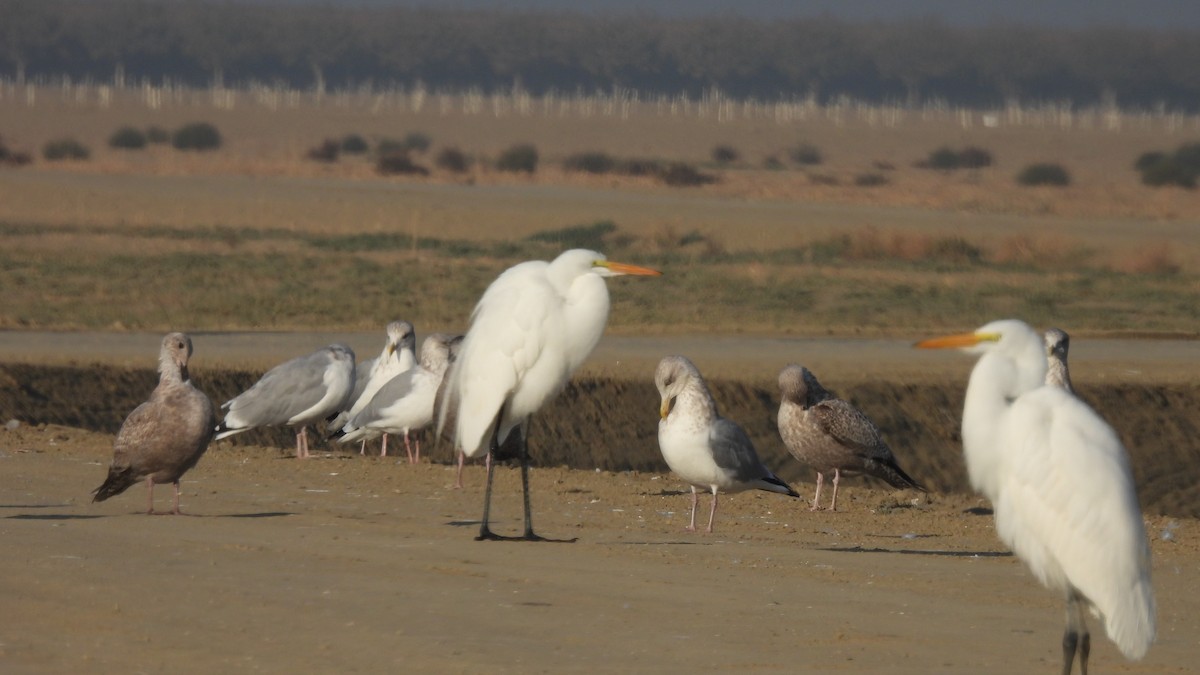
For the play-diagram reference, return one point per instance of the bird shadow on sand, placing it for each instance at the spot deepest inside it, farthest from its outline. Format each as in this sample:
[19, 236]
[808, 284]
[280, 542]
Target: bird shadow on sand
[948, 554]
[52, 516]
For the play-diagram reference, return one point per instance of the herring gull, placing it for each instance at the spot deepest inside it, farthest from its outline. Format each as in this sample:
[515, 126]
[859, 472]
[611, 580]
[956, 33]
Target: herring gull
[295, 393]
[701, 447]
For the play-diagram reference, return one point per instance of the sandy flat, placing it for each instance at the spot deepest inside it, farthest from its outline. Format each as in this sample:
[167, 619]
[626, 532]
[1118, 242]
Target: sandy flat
[365, 564]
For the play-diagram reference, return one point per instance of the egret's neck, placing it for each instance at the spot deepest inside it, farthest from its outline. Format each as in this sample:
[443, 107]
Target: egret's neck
[990, 392]
[586, 313]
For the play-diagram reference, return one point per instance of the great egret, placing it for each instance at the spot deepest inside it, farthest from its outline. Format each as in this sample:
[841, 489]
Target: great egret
[535, 324]
[1058, 343]
[405, 403]
[165, 436]
[397, 357]
[829, 434]
[701, 447]
[296, 393]
[1060, 483]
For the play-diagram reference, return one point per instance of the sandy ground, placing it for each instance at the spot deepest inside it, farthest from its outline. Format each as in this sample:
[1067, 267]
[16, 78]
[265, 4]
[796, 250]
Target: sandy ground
[365, 564]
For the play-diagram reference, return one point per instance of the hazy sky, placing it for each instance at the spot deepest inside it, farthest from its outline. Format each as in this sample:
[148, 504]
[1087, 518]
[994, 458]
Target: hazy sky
[1059, 13]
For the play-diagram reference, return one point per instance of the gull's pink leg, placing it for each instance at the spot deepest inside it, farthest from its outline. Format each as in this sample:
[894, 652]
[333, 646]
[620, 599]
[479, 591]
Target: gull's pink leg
[712, 512]
[362, 449]
[383, 450]
[837, 475]
[462, 458]
[417, 442]
[816, 505]
[150, 495]
[408, 448]
[176, 509]
[692, 526]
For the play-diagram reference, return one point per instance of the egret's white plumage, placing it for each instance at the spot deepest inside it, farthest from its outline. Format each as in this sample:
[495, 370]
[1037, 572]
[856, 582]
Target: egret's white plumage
[535, 324]
[1060, 482]
[829, 434]
[701, 447]
[405, 403]
[295, 393]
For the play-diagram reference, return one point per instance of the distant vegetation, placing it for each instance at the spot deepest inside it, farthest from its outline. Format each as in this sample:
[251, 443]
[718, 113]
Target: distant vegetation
[1044, 173]
[948, 159]
[319, 45]
[1180, 168]
[196, 136]
[65, 149]
[520, 158]
[128, 138]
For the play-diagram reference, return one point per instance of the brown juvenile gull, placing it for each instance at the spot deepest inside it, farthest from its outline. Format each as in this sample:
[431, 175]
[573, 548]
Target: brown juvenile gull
[397, 357]
[1057, 344]
[405, 403]
[829, 434]
[701, 447]
[165, 436]
[296, 393]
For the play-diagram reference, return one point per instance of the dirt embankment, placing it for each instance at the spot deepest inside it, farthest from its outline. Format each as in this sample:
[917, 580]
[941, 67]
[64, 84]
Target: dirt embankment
[609, 423]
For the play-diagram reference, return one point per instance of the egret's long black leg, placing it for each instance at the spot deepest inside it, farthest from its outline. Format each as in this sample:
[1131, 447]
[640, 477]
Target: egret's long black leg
[529, 534]
[484, 531]
[1076, 638]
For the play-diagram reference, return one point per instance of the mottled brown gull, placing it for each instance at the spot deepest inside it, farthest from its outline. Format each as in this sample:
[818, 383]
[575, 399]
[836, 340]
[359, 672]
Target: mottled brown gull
[829, 434]
[165, 436]
[701, 447]
[296, 393]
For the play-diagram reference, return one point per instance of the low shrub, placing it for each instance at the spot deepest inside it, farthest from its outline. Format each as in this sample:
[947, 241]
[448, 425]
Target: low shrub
[12, 157]
[522, 157]
[1044, 173]
[453, 160]
[725, 154]
[353, 144]
[198, 136]
[327, 151]
[974, 158]
[806, 154]
[679, 174]
[417, 141]
[870, 179]
[65, 149]
[639, 167]
[399, 163]
[590, 162]
[127, 138]
[1180, 168]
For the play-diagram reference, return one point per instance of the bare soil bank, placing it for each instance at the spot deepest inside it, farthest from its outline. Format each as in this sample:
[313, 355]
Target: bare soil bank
[610, 422]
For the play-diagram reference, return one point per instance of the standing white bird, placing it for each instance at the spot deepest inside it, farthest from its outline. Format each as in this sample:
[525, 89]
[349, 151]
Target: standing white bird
[829, 434]
[165, 436]
[1061, 487]
[397, 357]
[701, 447]
[535, 324]
[1058, 343]
[296, 393]
[405, 403]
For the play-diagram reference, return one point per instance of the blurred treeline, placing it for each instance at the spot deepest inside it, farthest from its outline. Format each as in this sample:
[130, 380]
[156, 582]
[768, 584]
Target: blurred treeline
[200, 42]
